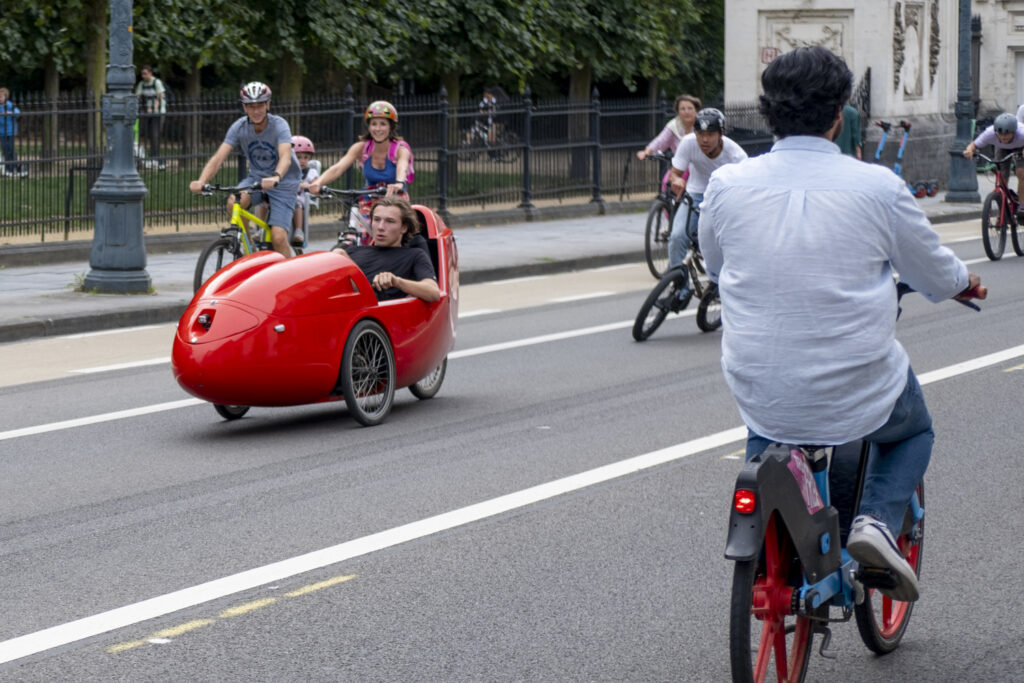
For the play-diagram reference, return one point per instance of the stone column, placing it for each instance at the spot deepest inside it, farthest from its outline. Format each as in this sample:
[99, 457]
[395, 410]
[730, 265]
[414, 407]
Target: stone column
[118, 258]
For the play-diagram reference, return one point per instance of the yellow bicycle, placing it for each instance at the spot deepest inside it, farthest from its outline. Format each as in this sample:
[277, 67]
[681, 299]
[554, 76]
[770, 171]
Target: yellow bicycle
[235, 240]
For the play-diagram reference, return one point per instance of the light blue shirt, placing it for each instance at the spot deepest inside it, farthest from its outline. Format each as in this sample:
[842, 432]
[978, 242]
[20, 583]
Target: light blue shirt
[803, 242]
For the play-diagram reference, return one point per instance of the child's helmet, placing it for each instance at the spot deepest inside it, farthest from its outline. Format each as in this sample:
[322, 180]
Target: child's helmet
[255, 92]
[1005, 123]
[381, 109]
[300, 143]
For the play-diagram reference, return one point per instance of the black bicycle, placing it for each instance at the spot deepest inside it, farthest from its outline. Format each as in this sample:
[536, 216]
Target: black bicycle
[671, 295]
[659, 224]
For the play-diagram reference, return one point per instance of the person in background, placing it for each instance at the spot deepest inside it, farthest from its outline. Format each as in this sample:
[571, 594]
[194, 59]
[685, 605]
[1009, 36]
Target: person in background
[681, 125]
[8, 130]
[150, 90]
[1006, 135]
[849, 139]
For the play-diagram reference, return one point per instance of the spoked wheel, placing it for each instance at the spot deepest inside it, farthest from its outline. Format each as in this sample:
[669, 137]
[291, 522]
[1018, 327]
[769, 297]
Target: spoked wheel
[215, 256]
[662, 300]
[767, 642]
[882, 621]
[1018, 238]
[230, 412]
[429, 385]
[709, 313]
[659, 225]
[368, 373]
[993, 226]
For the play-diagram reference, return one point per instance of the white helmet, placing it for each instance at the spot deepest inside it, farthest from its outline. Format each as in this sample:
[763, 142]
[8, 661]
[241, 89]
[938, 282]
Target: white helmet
[255, 92]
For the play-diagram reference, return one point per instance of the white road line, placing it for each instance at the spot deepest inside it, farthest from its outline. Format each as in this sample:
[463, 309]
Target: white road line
[580, 297]
[481, 311]
[122, 366]
[74, 631]
[100, 333]
[96, 419]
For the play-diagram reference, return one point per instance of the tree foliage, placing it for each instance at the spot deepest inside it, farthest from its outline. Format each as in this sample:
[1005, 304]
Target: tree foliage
[509, 42]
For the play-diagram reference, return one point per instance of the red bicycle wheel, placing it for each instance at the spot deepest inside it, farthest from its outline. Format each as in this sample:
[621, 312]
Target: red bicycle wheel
[882, 621]
[768, 641]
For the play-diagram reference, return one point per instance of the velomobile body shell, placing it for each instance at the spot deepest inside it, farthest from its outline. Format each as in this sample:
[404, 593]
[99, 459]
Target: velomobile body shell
[270, 331]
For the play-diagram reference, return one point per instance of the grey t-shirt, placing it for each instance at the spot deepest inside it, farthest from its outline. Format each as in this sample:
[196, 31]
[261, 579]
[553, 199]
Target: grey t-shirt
[261, 149]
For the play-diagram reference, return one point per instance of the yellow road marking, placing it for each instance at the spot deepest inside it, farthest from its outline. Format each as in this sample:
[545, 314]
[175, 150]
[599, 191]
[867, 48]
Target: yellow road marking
[175, 631]
[246, 608]
[238, 610]
[121, 647]
[1015, 367]
[322, 584]
[735, 455]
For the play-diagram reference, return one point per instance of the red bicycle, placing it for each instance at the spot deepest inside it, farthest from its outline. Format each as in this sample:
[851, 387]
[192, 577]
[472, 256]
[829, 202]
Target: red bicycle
[999, 211]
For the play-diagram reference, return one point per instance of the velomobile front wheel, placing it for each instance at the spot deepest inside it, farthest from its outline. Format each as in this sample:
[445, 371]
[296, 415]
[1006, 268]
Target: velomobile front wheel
[368, 373]
[230, 412]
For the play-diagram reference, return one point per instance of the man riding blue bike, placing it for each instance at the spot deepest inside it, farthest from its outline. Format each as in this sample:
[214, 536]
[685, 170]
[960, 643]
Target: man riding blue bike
[809, 301]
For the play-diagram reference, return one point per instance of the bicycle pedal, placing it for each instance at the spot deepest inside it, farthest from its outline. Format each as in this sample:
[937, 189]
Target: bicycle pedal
[876, 577]
[826, 640]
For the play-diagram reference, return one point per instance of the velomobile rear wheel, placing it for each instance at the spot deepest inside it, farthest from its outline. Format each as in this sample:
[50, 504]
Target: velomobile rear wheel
[230, 412]
[368, 373]
[429, 385]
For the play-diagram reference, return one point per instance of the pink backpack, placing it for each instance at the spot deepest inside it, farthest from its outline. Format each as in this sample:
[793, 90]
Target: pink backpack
[392, 155]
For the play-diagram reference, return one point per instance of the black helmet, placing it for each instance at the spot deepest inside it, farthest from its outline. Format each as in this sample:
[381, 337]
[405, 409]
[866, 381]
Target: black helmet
[1005, 123]
[710, 119]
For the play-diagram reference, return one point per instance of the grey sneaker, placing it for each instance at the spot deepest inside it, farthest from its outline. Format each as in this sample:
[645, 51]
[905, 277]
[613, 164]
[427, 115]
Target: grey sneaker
[872, 545]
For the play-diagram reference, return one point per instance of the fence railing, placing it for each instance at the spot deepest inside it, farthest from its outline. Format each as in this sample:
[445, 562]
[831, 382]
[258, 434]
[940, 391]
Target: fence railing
[525, 151]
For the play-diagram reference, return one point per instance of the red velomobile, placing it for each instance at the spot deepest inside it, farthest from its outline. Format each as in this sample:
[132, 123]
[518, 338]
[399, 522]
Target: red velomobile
[270, 331]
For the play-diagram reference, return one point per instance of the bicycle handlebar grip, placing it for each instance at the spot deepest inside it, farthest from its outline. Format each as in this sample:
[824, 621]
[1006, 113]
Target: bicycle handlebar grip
[976, 292]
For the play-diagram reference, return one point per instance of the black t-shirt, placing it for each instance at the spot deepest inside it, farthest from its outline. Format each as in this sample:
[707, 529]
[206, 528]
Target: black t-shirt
[404, 262]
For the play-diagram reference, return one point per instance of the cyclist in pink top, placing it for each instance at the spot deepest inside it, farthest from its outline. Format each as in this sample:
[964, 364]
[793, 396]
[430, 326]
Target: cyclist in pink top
[681, 125]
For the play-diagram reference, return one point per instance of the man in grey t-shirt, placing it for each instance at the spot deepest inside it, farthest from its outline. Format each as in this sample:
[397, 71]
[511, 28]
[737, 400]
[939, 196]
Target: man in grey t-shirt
[266, 140]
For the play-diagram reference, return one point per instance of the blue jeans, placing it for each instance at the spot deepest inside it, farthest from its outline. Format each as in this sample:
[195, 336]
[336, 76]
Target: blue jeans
[897, 465]
[7, 145]
[684, 232]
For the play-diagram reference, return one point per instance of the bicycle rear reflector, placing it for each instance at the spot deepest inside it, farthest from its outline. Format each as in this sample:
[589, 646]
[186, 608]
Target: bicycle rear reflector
[744, 501]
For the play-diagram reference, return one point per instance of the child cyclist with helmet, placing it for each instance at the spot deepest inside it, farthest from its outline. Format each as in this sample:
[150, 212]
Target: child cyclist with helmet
[309, 171]
[386, 158]
[266, 140]
[1007, 135]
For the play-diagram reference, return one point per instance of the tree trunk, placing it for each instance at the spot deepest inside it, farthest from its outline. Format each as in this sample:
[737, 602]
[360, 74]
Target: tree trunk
[95, 68]
[289, 92]
[579, 120]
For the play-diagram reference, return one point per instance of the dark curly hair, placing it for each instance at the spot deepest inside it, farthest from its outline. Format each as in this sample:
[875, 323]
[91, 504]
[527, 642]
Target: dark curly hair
[804, 91]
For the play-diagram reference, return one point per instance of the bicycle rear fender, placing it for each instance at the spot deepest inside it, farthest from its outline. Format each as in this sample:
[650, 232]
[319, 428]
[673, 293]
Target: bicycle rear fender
[816, 537]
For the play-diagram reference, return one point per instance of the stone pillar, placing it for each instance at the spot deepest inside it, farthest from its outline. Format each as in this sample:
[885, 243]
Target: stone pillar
[118, 258]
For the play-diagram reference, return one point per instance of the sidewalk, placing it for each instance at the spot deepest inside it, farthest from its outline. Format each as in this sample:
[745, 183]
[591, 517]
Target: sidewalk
[38, 301]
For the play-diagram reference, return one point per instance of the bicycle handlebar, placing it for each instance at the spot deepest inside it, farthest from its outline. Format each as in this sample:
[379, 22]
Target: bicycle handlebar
[210, 189]
[977, 292]
[1015, 154]
[664, 154]
[373, 192]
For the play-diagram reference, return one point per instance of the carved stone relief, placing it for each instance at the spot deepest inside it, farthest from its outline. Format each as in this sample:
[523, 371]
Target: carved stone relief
[913, 28]
[897, 46]
[787, 30]
[934, 44]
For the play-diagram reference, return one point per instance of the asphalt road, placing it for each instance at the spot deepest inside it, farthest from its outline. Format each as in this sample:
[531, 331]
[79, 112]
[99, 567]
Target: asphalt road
[557, 512]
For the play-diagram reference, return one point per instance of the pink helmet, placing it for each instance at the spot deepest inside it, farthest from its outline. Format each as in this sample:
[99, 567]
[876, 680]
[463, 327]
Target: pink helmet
[300, 143]
[255, 92]
[381, 109]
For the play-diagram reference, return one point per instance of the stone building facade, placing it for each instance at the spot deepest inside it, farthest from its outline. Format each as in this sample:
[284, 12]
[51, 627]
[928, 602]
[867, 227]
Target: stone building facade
[1000, 55]
[903, 54]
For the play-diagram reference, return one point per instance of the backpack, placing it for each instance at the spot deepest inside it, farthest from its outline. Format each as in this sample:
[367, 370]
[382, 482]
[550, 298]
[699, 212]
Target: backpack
[392, 155]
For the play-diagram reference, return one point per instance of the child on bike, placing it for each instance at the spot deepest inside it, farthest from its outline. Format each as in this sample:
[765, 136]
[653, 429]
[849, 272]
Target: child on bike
[266, 140]
[386, 158]
[1006, 134]
[310, 171]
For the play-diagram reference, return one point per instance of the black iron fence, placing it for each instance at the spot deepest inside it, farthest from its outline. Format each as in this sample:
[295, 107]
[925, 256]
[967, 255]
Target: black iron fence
[523, 153]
